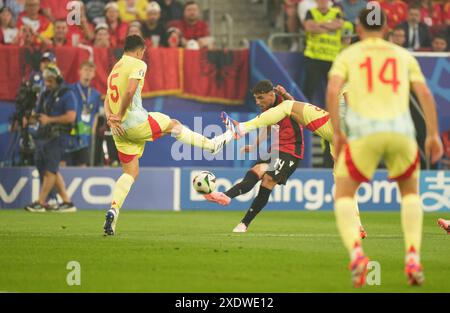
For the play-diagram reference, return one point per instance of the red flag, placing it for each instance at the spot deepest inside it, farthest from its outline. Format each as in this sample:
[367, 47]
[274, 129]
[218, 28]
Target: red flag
[216, 76]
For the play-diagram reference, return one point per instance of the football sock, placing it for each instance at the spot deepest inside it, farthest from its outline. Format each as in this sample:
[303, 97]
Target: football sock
[189, 137]
[258, 204]
[412, 216]
[347, 222]
[268, 118]
[247, 184]
[356, 206]
[121, 190]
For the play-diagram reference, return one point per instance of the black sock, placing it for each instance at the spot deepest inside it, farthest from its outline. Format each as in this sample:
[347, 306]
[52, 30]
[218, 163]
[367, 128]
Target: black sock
[247, 184]
[258, 204]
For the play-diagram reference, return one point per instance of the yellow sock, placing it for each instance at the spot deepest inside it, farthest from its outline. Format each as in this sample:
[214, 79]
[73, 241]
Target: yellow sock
[189, 137]
[412, 217]
[269, 117]
[347, 222]
[356, 206]
[121, 190]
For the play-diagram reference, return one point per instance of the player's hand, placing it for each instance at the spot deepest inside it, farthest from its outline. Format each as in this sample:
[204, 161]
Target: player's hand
[433, 148]
[114, 123]
[339, 142]
[248, 149]
[114, 118]
[117, 130]
[281, 90]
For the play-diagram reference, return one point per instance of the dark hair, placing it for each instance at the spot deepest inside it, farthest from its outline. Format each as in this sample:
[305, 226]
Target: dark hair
[398, 28]
[440, 35]
[134, 42]
[188, 3]
[87, 63]
[365, 19]
[414, 6]
[261, 87]
[5, 8]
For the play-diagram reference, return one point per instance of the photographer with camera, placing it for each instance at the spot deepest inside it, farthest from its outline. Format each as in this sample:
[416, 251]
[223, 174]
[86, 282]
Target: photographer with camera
[55, 115]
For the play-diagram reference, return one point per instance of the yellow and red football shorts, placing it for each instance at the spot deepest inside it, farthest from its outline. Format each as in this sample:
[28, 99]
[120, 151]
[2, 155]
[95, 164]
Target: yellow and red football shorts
[133, 143]
[360, 158]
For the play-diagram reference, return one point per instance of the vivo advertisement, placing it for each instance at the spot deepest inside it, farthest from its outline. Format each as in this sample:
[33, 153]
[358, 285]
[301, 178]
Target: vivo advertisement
[171, 189]
[91, 188]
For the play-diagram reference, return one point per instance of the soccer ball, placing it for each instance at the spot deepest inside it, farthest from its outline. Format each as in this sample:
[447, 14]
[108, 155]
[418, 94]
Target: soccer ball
[204, 183]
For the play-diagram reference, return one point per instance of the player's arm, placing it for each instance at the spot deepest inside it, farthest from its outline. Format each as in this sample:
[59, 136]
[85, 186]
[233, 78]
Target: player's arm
[132, 86]
[283, 93]
[433, 144]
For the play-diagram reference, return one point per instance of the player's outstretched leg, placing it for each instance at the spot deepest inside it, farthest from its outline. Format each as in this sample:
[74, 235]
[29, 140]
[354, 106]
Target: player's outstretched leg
[268, 118]
[444, 224]
[121, 190]
[267, 185]
[247, 184]
[187, 136]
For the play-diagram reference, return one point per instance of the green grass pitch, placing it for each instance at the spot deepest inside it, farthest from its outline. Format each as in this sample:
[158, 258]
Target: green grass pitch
[196, 252]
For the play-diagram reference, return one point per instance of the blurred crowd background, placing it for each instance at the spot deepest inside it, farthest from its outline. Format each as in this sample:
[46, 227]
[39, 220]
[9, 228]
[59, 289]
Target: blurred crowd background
[315, 29]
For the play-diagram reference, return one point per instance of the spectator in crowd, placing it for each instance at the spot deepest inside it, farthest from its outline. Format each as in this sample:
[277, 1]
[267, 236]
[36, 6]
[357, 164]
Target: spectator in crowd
[292, 21]
[439, 43]
[42, 28]
[398, 36]
[417, 33]
[8, 32]
[431, 13]
[56, 113]
[152, 29]
[132, 10]
[117, 28]
[26, 37]
[174, 38]
[446, 12]
[351, 8]
[61, 33]
[102, 37]
[16, 7]
[304, 7]
[95, 10]
[396, 12]
[171, 10]
[54, 9]
[194, 29]
[84, 32]
[323, 27]
[36, 78]
[88, 102]
[135, 28]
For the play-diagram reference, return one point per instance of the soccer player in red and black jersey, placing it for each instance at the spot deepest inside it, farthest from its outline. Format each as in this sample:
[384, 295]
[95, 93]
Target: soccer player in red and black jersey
[286, 151]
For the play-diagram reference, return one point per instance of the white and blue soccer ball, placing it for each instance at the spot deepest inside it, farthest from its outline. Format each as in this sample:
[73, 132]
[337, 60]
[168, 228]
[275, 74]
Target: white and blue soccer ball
[204, 182]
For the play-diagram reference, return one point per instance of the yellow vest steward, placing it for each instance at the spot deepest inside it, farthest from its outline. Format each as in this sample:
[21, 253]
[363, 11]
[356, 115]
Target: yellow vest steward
[324, 46]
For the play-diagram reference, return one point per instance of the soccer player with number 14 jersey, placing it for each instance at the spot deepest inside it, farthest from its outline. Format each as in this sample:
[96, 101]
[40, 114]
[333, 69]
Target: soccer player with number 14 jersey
[378, 76]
